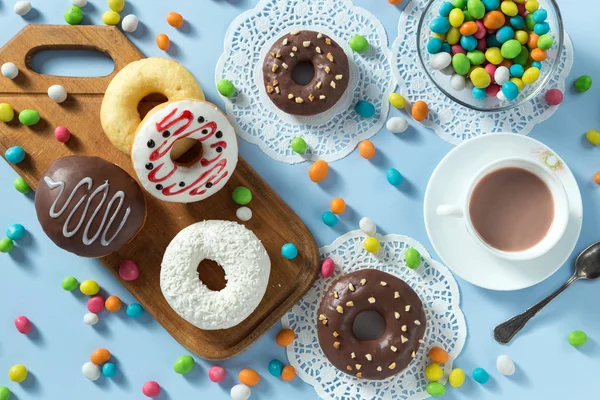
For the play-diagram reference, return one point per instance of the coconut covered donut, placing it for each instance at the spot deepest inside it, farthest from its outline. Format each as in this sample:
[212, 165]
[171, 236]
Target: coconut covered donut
[119, 113]
[241, 255]
[158, 134]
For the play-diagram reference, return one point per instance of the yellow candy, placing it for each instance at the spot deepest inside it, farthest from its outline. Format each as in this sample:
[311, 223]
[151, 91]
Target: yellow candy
[116, 5]
[397, 100]
[434, 372]
[6, 112]
[521, 37]
[372, 245]
[509, 8]
[517, 81]
[519, 1]
[441, 36]
[456, 378]
[593, 136]
[532, 5]
[494, 55]
[456, 17]
[453, 36]
[18, 373]
[531, 75]
[89, 288]
[480, 78]
[111, 18]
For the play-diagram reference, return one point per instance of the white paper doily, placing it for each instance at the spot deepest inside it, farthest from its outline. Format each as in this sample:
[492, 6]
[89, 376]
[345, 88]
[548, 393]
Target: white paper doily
[451, 121]
[434, 284]
[331, 135]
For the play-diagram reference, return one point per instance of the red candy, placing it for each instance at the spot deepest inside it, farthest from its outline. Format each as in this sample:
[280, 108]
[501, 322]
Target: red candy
[128, 270]
[522, 10]
[491, 69]
[151, 389]
[492, 90]
[216, 374]
[554, 97]
[23, 325]
[482, 45]
[457, 48]
[481, 31]
[62, 134]
[327, 268]
[96, 304]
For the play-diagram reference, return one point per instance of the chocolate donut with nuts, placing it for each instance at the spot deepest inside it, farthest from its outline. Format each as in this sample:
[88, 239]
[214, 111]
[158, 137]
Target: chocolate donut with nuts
[331, 73]
[400, 307]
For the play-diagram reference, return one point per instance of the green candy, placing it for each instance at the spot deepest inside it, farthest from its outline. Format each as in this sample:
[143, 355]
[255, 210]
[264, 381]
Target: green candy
[459, 3]
[412, 258]
[299, 145]
[73, 15]
[226, 88]
[4, 393]
[461, 64]
[21, 185]
[522, 58]
[435, 389]
[468, 16]
[242, 195]
[545, 42]
[511, 49]
[577, 338]
[583, 83]
[70, 283]
[359, 44]
[476, 8]
[6, 245]
[529, 22]
[29, 117]
[476, 57]
[184, 365]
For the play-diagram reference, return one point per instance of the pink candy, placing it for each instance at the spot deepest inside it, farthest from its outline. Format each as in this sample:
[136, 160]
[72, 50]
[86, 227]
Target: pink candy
[23, 325]
[216, 374]
[481, 30]
[491, 69]
[522, 10]
[128, 270]
[554, 97]
[95, 304]
[482, 45]
[62, 134]
[327, 268]
[492, 90]
[457, 48]
[151, 389]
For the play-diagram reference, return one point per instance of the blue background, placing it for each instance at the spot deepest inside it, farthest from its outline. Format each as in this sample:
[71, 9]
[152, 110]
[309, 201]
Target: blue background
[548, 368]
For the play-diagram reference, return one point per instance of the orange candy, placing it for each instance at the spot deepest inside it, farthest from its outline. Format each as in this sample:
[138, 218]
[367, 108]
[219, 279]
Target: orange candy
[249, 377]
[539, 54]
[318, 171]
[438, 355]
[366, 149]
[163, 42]
[468, 28]
[338, 206]
[532, 42]
[100, 356]
[395, 1]
[285, 337]
[288, 373]
[494, 20]
[113, 304]
[174, 19]
[597, 178]
[506, 63]
[420, 110]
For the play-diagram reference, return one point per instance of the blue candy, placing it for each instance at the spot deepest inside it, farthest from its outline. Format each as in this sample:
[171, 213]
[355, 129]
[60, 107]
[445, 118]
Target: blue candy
[15, 154]
[537, 64]
[445, 9]
[510, 90]
[504, 34]
[365, 109]
[479, 93]
[109, 370]
[439, 25]
[15, 232]
[394, 177]
[329, 218]
[289, 251]
[541, 28]
[134, 310]
[517, 22]
[480, 375]
[517, 70]
[446, 48]
[469, 43]
[275, 367]
[491, 5]
[540, 15]
[492, 41]
[434, 46]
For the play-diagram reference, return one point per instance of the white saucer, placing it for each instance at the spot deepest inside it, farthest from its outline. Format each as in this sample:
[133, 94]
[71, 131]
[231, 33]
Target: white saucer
[449, 236]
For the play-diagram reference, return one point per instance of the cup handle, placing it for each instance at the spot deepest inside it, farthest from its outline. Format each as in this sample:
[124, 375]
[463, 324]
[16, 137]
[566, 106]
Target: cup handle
[449, 210]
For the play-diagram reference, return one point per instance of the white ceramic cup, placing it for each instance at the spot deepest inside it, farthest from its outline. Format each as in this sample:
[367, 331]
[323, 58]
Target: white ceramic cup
[561, 208]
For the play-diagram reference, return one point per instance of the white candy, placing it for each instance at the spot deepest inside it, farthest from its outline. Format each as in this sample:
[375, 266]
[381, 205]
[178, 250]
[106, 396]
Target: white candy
[91, 371]
[10, 70]
[368, 226]
[502, 75]
[79, 3]
[397, 125]
[501, 96]
[243, 214]
[440, 60]
[505, 365]
[22, 7]
[90, 319]
[448, 71]
[57, 93]
[458, 82]
[130, 23]
[240, 392]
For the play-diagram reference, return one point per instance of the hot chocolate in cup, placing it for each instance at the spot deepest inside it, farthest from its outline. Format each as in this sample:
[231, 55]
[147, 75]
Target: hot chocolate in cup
[515, 208]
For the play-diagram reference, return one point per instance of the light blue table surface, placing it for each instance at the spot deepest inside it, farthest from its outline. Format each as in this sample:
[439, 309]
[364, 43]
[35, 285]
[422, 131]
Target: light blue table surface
[548, 367]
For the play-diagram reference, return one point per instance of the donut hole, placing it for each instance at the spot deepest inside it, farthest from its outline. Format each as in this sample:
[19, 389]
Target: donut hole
[303, 73]
[212, 275]
[149, 102]
[368, 325]
[186, 152]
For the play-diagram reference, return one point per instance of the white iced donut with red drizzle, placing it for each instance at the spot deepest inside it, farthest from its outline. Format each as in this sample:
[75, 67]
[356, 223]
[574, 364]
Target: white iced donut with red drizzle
[173, 121]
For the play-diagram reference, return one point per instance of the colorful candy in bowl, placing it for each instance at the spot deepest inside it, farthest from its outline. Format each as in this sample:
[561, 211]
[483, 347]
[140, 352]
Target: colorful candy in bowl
[490, 55]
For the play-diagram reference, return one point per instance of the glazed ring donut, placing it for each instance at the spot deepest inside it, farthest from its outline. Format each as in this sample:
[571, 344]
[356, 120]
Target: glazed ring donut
[331, 73]
[119, 114]
[157, 135]
[396, 303]
[238, 251]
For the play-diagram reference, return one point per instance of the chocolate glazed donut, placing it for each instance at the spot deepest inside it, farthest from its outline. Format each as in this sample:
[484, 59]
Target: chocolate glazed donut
[331, 73]
[394, 300]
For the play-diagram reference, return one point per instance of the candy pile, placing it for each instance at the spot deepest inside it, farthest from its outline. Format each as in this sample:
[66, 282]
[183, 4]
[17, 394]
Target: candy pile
[498, 46]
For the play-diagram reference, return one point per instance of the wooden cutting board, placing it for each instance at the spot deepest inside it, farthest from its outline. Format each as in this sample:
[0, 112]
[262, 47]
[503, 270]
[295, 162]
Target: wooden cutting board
[273, 221]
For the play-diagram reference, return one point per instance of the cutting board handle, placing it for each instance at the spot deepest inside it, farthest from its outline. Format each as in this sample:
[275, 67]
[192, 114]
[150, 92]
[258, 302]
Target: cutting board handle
[35, 38]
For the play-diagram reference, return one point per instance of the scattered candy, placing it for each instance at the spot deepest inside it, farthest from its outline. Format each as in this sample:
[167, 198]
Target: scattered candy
[89, 288]
[151, 389]
[593, 136]
[79, 3]
[289, 251]
[438, 355]
[285, 337]
[70, 283]
[359, 44]
[299, 145]
[217, 374]
[128, 270]
[7, 113]
[15, 232]
[275, 368]
[397, 100]
[577, 338]
[435, 389]
[597, 177]
[243, 214]
[21, 185]
[367, 226]
[241, 195]
[338, 205]
[100, 356]
[327, 268]
[249, 377]
[116, 5]
[134, 310]
[57, 93]
[394, 177]
[23, 325]
[318, 171]
[583, 83]
[412, 258]
[480, 375]
[434, 372]
[240, 392]
[288, 373]
[420, 110]
[365, 109]
[372, 245]
[4, 393]
[14, 154]
[91, 371]
[29, 117]
[113, 18]
[109, 370]
[10, 70]
[163, 42]
[184, 365]
[174, 19]
[554, 97]
[22, 7]
[226, 88]
[329, 218]
[366, 149]
[505, 365]
[17, 373]
[130, 23]
[90, 319]
[6, 245]
[73, 15]
[62, 134]
[456, 378]
[113, 304]
[397, 124]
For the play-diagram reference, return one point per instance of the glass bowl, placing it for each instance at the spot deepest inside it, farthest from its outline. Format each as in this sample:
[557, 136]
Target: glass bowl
[490, 104]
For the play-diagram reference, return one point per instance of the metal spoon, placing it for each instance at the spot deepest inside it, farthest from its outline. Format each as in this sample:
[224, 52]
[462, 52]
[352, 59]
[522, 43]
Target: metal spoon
[587, 267]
